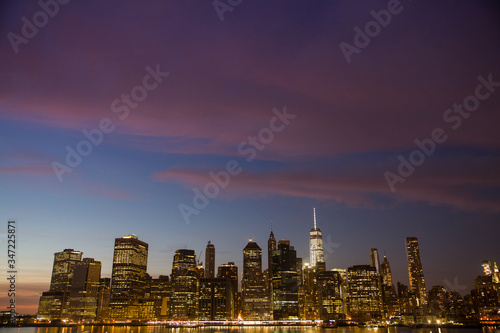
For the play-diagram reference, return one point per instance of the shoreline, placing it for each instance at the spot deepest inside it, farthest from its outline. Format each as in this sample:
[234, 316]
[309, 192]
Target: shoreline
[198, 325]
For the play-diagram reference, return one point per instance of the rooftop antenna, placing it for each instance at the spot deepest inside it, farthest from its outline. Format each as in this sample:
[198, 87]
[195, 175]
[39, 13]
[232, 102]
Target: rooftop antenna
[314, 210]
[271, 225]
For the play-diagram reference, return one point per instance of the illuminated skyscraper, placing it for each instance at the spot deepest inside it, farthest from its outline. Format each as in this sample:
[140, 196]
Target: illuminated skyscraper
[316, 244]
[85, 290]
[364, 299]
[210, 260]
[389, 296]
[374, 260]
[415, 272]
[385, 271]
[285, 288]
[271, 246]
[308, 295]
[487, 267]
[230, 271]
[215, 299]
[255, 299]
[330, 295]
[128, 282]
[54, 303]
[62, 272]
[184, 302]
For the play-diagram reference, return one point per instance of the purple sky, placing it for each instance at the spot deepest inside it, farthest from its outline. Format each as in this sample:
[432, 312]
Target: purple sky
[351, 122]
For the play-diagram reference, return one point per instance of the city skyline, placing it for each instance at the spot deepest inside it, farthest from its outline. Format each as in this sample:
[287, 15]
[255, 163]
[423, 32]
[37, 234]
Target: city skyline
[412, 254]
[185, 123]
[292, 291]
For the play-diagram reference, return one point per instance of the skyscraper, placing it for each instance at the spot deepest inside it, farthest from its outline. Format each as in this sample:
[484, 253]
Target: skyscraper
[255, 299]
[184, 302]
[62, 271]
[374, 260]
[271, 246]
[330, 293]
[210, 260]
[415, 272]
[128, 279]
[215, 299]
[385, 271]
[285, 288]
[230, 272]
[316, 244]
[54, 303]
[85, 290]
[389, 296]
[364, 299]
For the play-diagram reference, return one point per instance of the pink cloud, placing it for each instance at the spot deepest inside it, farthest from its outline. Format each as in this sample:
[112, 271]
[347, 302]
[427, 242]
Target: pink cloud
[109, 192]
[26, 170]
[361, 187]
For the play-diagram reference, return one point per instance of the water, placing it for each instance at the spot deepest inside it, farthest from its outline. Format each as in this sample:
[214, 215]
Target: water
[246, 329]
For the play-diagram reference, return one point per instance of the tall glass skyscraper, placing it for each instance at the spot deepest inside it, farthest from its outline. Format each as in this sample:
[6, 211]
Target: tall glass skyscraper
[85, 290]
[415, 272]
[184, 302]
[316, 244]
[271, 246]
[285, 288]
[374, 259]
[254, 294]
[210, 260]
[128, 282]
[54, 303]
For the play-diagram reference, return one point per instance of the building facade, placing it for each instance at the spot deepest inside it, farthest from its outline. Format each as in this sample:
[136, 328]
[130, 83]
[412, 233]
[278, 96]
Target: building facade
[84, 293]
[364, 299]
[128, 278]
[184, 299]
[210, 260]
[415, 271]
[316, 245]
[254, 292]
[285, 287]
[54, 303]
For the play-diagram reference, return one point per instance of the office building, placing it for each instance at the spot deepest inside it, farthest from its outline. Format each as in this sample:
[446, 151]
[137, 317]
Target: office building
[316, 245]
[210, 260]
[389, 296]
[184, 300]
[230, 271]
[215, 299]
[285, 288]
[415, 272]
[364, 299]
[330, 295]
[254, 293]
[271, 246]
[84, 293]
[54, 303]
[374, 260]
[128, 278]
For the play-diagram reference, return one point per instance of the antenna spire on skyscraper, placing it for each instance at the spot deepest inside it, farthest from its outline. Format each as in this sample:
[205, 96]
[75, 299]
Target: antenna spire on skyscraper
[314, 211]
